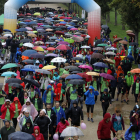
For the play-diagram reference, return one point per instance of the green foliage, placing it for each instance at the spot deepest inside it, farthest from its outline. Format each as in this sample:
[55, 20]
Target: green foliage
[2, 2]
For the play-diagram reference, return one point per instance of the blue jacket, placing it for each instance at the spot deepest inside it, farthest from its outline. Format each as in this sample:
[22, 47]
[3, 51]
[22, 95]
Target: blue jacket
[90, 97]
[129, 50]
[131, 58]
[56, 77]
[128, 135]
[45, 95]
[59, 114]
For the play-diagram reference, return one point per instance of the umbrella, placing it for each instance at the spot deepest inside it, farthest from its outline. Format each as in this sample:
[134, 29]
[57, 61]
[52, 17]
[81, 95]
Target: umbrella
[8, 73]
[9, 65]
[39, 42]
[85, 47]
[107, 76]
[99, 41]
[86, 67]
[63, 42]
[69, 40]
[37, 14]
[77, 33]
[51, 49]
[44, 47]
[36, 55]
[110, 53]
[51, 55]
[93, 73]
[111, 49]
[133, 43]
[123, 42]
[70, 67]
[14, 80]
[63, 47]
[102, 45]
[32, 82]
[48, 30]
[29, 61]
[137, 70]
[129, 31]
[74, 72]
[64, 75]
[76, 82]
[105, 27]
[25, 40]
[37, 48]
[29, 52]
[20, 136]
[98, 49]
[16, 85]
[79, 55]
[117, 40]
[76, 39]
[27, 70]
[131, 34]
[84, 75]
[29, 45]
[58, 60]
[75, 69]
[42, 71]
[108, 61]
[77, 58]
[49, 67]
[100, 64]
[78, 64]
[97, 55]
[32, 35]
[53, 38]
[59, 32]
[73, 76]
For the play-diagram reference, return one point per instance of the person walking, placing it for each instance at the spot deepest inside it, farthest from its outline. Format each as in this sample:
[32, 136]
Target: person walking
[135, 120]
[37, 134]
[105, 127]
[90, 101]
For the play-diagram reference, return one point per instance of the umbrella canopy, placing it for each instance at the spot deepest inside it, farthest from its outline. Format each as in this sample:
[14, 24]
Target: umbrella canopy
[107, 76]
[42, 71]
[25, 40]
[98, 49]
[51, 55]
[73, 76]
[75, 69]
[29, 45]
[36, 55]
[93, 73]
[133, 43]
[16, 85]
[20, 136]
[58, 60]
[100, 64]
[111, 49]
[29, 61]
[131, 34]
[97, 55]
[49, 67]
[29, 52]
[108, 61]
[102, 45]
[37, 48]
[84, 75]
[123, 42]
[86, 67]
[129, 31]
[14, 80]
[110, 53]
[70, 67]
[32, 82]
[9, 65]
[8, 73]
[75, 72]
[85, 47]
[117, 40]
[76, 82]
[51, 49]
[137, 70]
[69, 40]
[63, 47]
[77, 58]
[27, 70]
[64, 75]
[63, 42]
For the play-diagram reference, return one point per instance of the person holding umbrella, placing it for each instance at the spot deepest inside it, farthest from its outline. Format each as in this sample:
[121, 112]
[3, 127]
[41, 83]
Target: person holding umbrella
[104, 85]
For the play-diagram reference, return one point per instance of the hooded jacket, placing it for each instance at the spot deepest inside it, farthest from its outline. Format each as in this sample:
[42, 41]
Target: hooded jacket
[58, 91]
[129, 80]
[117, 60]
[119, 71]
[130, 57]
[134, 88]
[104, 128]
[90, 96]
[134, 121]
[44, 98]
[56, 77]
[39, 136]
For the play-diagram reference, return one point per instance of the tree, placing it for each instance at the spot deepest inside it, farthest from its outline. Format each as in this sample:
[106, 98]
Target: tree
[2, 2]
[130, 15]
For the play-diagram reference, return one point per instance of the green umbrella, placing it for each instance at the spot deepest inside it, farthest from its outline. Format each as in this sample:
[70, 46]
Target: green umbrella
[69, 40]
[35, 32]
[47, 26]
[102, 45]
[9, 65]
[58, 29]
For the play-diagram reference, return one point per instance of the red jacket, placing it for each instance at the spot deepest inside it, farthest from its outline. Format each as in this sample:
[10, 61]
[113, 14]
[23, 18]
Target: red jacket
[4, 110]
[104, 128]
[58, 92]
[39, 136]
[61, 126]
[117, 61]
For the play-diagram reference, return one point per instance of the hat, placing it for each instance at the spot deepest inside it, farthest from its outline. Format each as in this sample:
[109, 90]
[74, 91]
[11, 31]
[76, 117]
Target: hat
[106, 90]
[7, 100]
[40, 66]
[44, 110]
[37, 61]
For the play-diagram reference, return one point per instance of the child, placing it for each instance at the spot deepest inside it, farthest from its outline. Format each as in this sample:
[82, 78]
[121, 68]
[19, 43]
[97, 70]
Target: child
[37, 134]
[61, 126]
[119, 135]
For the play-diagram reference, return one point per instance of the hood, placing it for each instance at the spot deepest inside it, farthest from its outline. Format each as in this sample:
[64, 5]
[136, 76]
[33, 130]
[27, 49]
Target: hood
[136, 107]
[55, 73]
[91, 87]
[16, 99]
[49, 86]
[28, 100]
[130, 53]
[29, 121]
[129, 47]
[59, 85]
[119, 67]
[37, 127]
[106, 116]
[128, 72]
[75, 102]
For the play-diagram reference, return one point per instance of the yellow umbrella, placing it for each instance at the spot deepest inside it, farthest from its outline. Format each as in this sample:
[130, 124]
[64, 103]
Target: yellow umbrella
[37, 48]
[49, 67]
[61, 20]
[93, 73]
[108, 61]
[122, 57]
[37, 14]
[32, 35]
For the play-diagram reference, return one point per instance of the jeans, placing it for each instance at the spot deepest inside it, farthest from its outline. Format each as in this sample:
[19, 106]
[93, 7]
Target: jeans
[71, 103]
[81, 99]
[12, 57]
[105, 106]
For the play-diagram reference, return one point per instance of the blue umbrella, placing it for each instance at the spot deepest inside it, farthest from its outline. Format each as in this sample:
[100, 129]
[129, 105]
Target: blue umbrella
[33, 67]
[32, 22]
[6, 30]
[8, 73]
[73, 76]
[100, 64]
[29, 52]
[23, 29]
[70, 27]
[27, 70]
[62, 22]
[72, 23]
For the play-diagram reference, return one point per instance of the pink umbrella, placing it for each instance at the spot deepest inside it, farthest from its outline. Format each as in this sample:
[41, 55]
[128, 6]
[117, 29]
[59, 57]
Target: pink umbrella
[73, 29]
[75, 35]
[44, 47]
[81, 38]
[39, 24]
[86, 67]
[29, 29]
[63, 47]
[67, 18]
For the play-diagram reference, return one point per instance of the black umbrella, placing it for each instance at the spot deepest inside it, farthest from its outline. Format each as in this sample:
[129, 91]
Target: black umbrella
[29, 61]
[105, 27]
[42, 71]
[37, 55]
[70, 67]
[133, 43]
[32, 82]
[25, 40]
[15, 85]
[99, 41]
[20, 33]
[75, 72]
[20, 136]
[77, 58]
[55, 18]
[76, 82]
[14, 80]
[75, 69]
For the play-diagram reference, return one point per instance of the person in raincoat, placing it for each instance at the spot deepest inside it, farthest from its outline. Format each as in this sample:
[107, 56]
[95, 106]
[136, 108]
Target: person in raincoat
[37, 134]
[56, 76]
[118, 71]
[90, 101]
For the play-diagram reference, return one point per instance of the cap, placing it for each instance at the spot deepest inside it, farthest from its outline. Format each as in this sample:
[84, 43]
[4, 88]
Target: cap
[106, 90]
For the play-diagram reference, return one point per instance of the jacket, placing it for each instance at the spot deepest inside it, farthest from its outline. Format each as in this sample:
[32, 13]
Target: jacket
[25, 128]
[104, 128]
[133, 111]
[135, 122]
[53, 117]
[39, 136]
[14, 46]
[4, 132]
[113, 83]
[106, 98]
[119, 71]
[117, 60]
[59, 114]
[56, 77]
[4, 110]
[128, 136]
[129, 80]
[134, 88]
[44, 82]
[90, 97]
[117, 126]
[130, 57]
[61, 126]
[58, 91]
[39, 102]
[45, 95]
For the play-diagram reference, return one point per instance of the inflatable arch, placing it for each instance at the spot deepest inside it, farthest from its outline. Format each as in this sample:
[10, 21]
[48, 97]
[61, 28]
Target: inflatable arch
[90, 6]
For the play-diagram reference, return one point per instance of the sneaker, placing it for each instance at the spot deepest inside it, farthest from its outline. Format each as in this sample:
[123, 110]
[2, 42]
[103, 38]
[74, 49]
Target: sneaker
[92, 120]
[117, 99]
[88, 119]
[112, 100]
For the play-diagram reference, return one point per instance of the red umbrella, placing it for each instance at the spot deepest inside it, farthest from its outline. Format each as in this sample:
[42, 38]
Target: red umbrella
[63, 47]
[21, 15]
[83, 35]
[50, 49]
[62, 24]
[57, 24]
[86, 23]
[84, 75]
[59, 33]
[28, 14]
[131, 34]
[62, 17]
[27, 20]
[117, 40]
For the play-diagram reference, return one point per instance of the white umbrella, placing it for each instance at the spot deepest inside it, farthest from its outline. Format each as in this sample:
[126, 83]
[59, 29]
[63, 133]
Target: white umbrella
[111, 49]
[30, 45]
[71, 131]
[79, 55]
[58, 60]
[87, 36]
[110, 53]
[3, 43]
[8, 35]
[85, 47]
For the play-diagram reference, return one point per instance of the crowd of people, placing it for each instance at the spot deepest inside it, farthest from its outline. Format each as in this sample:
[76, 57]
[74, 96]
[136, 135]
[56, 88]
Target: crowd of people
[49, 69]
